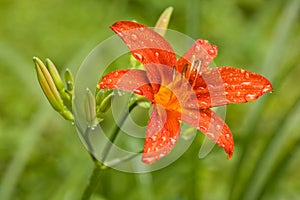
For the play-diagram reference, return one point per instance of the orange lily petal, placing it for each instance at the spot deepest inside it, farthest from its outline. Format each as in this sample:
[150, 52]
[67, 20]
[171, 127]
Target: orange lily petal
[132, 80]
[242, 85]
[148, 47]
[212, 126]
[162, 133]
[224, 85]
[197, 58]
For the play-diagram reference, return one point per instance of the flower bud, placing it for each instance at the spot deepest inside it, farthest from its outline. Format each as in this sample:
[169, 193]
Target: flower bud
[69, 81]
[105, 103]
[163, 21]
[49, 86]
[90, 108]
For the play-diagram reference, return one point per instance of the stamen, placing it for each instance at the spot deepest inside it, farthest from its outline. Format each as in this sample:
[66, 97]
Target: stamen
[174, 73]
[198, 64]
[183, 74]
[191, 68]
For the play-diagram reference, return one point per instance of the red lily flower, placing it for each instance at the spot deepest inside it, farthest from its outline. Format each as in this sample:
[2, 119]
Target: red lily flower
[183, 89]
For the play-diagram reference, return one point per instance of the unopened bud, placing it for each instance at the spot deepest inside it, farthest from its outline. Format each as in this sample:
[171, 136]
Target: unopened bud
[163, 21]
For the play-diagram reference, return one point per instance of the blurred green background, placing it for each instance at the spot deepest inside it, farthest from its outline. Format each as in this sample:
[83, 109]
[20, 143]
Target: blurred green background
[41, 156]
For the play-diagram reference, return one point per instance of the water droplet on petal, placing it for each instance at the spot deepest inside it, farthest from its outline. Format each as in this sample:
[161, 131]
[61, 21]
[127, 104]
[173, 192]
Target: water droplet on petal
[133, 37]
[247, 75]
[156, 54]
[250, 97]
[202, 128]
[109, 81]
[246, 83]
[210, 135]
[138, 56]
[197, 48]
[203, 103]
[116, 73]
[172, 140]
[211, 52]
[268, 88]
[138, 91]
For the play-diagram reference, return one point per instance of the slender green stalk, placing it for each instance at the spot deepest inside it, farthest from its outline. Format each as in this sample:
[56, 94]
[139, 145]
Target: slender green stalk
[94, 181]
[99, 167]
[115, 132]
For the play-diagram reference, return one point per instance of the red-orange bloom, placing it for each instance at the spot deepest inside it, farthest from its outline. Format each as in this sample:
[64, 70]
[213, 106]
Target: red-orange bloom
[181, 90]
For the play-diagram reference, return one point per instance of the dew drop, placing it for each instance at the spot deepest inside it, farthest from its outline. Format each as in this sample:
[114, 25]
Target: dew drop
[109, 81]
[133, 37]
[116, 73]
[138, 56]
[138, 91]
[203, 103]
[247, 75]
[246, 83]
[172, 140]
[242, 71]
[120, 93]
[250, 97]
[211, 52]
[156, 54]
[197, 48]
[210, 135]
[202, 128]
[268, 88]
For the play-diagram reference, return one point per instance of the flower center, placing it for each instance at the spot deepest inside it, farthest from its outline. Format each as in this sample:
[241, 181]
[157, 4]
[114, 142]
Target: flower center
[166, 98]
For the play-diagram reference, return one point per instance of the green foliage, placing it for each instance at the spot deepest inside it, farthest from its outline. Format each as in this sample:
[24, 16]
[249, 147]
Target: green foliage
[41, 156]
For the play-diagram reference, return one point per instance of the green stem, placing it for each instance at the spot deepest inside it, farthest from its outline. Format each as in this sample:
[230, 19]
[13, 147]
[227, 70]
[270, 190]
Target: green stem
[94, 182]
[98, 167]
[115, 133]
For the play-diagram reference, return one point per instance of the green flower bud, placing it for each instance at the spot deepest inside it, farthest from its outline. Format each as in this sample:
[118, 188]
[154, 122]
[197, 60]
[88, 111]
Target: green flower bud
[163, 21]
[90, 108]
[57, 80]
[69, 81]
[50, 89]
[105, 103]
[48, 85]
